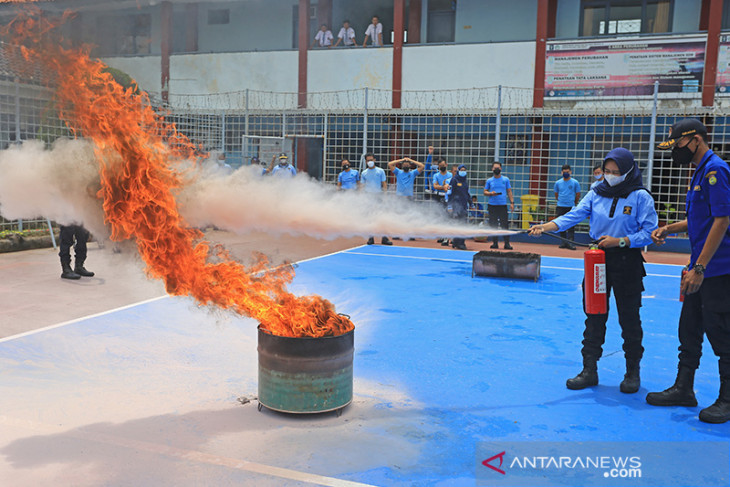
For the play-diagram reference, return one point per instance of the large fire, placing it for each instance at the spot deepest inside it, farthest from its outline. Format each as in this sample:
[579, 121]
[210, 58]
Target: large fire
[138, 152]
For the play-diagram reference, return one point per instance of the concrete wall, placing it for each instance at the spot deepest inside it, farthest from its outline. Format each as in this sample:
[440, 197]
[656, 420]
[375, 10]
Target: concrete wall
[348, 69]
[145, 70]
[257, 25]
[480, 21]
[424, 68]
[469, 66]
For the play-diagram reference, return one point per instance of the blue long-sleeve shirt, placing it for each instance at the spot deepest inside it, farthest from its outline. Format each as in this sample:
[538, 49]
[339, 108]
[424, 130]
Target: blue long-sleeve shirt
[634, 217]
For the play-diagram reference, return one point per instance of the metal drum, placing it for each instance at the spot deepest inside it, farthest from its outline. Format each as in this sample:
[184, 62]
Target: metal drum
[305, 375]
[506, 264]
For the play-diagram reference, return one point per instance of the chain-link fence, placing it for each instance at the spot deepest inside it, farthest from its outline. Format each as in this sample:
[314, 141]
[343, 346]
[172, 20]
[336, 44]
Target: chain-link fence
[532, 144]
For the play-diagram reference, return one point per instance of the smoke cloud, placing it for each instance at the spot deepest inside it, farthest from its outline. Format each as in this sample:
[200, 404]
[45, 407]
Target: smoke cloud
[61, 183]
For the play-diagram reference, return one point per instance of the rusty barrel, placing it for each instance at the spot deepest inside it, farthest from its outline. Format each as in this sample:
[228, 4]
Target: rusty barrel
[305, 375]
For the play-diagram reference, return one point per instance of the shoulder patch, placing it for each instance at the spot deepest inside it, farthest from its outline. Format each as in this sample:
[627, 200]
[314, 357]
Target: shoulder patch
[710, 174]
[712, 180]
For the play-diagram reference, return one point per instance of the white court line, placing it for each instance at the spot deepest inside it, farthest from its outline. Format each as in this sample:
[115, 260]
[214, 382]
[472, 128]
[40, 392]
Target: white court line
[96, 315]
[469, 261]
[70, 322]
[185, 454]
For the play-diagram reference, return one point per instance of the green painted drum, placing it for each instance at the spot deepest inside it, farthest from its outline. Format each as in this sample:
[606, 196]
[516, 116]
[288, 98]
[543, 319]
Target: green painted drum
[305, 375]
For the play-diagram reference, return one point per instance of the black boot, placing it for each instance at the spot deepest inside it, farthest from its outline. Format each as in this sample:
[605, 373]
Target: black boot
[632, 381]
[81, 270]
[719, 412]
[588, 376]
[68, 273]
[495, 244]
[680, 394]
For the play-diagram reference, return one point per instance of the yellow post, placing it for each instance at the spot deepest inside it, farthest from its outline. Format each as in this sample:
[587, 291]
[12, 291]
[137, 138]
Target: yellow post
[529, 204]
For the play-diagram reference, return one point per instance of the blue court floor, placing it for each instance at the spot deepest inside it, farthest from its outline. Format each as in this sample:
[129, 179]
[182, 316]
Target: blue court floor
[163, 392]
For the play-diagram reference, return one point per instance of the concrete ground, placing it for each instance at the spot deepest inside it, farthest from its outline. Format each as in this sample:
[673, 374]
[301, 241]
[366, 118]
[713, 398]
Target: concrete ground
[135, 389]
[33, 296]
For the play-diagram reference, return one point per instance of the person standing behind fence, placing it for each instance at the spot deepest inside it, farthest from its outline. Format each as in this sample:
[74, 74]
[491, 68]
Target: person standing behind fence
[499, 190]
[567, 193]
[323, 37]
[348, 178]
[374, 181]
[69, 234]
[405, 176]
[346, 35]
[476, 210]
[283, 169]
[597, 175]
[374, 32]
[459, 201]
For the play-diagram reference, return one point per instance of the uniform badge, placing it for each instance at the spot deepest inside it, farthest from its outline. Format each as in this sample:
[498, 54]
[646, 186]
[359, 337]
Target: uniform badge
[697, 188]
[712, 180]
[627, 210]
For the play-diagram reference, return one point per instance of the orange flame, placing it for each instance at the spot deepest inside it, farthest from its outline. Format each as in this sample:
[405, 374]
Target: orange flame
[137, 151]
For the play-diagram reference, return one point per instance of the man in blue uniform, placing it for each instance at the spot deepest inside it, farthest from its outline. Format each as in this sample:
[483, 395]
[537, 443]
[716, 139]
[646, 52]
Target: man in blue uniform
[597, 175]
[283, 169]
[622, 217]
[706, 307]
[567, 192]
[405, 176]
[348, 178]
[459, 201]
[374, 181]
[498, 188]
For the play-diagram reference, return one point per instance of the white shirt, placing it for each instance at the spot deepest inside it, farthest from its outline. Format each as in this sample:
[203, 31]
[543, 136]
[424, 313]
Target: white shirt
[373, 31]
[324, 38]
[347, 36]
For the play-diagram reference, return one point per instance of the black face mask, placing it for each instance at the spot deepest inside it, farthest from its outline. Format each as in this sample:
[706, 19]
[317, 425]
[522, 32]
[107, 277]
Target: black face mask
[683, 155]
[442, 168]
[497, 172]
[345, 167]
[406, 169]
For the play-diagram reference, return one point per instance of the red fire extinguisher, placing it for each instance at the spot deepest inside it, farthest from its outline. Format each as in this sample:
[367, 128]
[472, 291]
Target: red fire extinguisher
[594, 260]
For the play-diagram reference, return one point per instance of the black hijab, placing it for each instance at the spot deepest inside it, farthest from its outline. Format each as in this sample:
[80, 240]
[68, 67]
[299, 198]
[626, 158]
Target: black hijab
[627, 166]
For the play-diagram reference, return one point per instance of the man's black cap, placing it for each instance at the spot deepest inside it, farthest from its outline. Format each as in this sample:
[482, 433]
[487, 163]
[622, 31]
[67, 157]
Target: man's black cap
[683, 128]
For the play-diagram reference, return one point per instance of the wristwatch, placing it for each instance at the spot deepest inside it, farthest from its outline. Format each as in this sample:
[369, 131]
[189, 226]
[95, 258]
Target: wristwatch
[699, 269]
[622, 242]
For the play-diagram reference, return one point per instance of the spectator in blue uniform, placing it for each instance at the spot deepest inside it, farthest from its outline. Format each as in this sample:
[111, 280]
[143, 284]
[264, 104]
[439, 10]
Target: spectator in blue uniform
[597, 175]
[459, 201]
[374, 181]
[405, 176]
[567, 192]
[283, 169]
[476, 210]
[622, 217]
[349, 178]
[706, 307]
[499, 190]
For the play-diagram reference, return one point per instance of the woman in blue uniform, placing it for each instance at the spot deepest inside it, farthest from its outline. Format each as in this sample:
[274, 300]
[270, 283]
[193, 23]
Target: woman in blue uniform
[622, 217]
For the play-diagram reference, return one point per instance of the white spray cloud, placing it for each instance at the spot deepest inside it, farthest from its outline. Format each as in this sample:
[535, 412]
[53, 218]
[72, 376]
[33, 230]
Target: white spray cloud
[56, 184]
[244, 200]
[60, 184]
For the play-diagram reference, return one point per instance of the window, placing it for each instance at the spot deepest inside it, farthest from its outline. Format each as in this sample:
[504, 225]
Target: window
[441, 20]
[218, 16]
[616, 17]
[130, 34]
